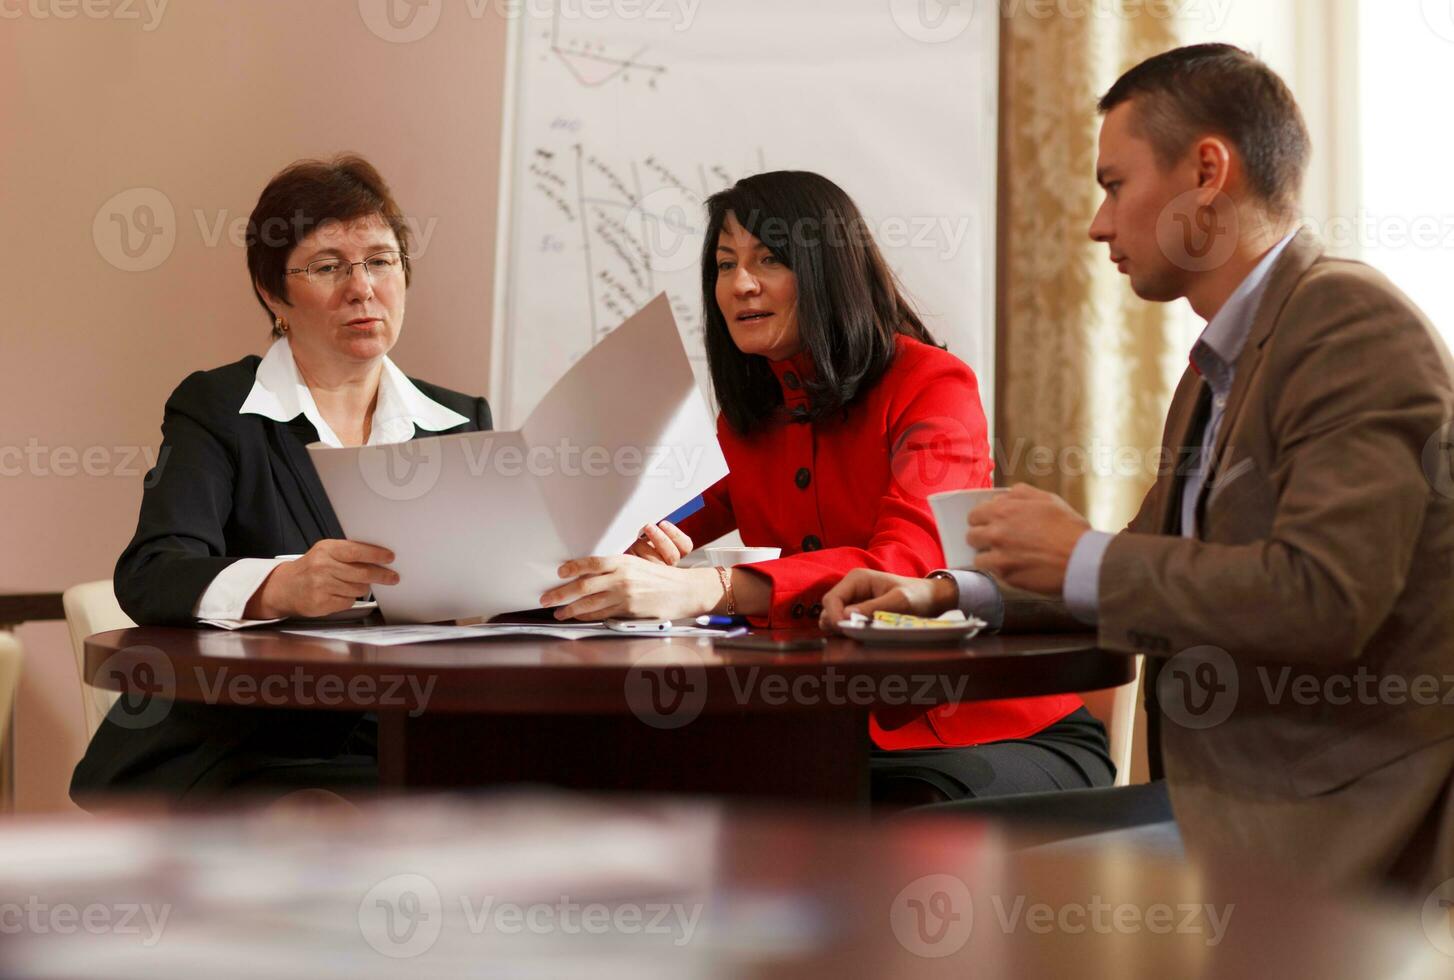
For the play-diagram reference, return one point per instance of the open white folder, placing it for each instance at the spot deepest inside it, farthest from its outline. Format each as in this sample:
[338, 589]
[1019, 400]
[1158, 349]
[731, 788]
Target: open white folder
[480, 521]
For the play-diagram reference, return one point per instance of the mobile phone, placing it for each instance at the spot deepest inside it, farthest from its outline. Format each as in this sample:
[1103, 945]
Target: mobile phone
[777, 642]
[638, 625]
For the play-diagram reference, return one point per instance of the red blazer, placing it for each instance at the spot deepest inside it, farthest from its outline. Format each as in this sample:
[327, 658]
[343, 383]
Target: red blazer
[851, 492]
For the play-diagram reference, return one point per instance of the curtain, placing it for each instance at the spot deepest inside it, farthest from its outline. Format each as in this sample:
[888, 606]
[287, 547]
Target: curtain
[1085, 368]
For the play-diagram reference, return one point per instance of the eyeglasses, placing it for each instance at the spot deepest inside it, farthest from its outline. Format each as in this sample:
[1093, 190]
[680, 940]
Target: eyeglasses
[333, 271]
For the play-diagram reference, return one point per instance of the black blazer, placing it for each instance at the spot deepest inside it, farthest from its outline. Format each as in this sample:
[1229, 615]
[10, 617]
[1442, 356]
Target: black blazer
[226, 486]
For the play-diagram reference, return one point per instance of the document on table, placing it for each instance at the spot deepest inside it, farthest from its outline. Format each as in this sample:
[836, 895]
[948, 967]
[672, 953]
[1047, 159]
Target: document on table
[389, 636]
[480, 521]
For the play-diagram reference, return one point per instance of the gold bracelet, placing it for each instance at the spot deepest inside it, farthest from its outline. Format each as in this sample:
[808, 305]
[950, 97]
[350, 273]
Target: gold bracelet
[727, 589]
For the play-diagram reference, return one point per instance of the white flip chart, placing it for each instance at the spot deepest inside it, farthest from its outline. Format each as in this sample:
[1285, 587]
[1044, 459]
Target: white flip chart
[622, 120]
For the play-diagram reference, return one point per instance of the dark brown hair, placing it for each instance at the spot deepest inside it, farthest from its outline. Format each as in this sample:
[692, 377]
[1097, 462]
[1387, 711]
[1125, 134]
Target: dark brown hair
[1217, 88]
[304, 196]
[850, 306]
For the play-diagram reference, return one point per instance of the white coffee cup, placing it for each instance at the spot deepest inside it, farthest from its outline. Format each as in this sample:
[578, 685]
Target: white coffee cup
[951, 514]
[727, 557]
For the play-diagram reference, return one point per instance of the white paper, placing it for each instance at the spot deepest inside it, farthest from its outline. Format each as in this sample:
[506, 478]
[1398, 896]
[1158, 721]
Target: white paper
[480, 521]
[388, 636]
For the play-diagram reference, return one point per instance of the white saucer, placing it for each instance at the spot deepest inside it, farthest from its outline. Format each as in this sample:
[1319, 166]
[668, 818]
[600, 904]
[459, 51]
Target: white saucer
[912, 636]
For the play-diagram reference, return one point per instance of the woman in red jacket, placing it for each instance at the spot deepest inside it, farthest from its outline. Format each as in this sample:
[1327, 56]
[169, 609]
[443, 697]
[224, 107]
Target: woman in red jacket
[839, 416]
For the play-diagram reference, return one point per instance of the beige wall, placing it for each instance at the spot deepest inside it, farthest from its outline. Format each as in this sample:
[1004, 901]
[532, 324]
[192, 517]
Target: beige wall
[201, 104]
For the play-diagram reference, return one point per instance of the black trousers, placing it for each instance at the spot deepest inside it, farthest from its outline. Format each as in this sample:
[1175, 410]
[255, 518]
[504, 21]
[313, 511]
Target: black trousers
[1043, 818]
[1071, 754]
[189, 755]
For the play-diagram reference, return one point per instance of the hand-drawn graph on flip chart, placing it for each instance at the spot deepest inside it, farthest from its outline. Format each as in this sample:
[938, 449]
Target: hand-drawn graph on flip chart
[619, 124]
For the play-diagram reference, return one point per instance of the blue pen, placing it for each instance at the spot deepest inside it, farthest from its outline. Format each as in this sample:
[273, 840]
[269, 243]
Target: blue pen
[721, 621]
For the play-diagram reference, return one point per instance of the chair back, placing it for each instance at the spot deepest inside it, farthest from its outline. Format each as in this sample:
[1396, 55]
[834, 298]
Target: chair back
[10, 659]
[1116, 708]
[91, 607]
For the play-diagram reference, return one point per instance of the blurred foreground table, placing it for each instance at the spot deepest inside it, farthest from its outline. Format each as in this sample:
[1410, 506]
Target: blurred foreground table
[653, 714]
[565, 886]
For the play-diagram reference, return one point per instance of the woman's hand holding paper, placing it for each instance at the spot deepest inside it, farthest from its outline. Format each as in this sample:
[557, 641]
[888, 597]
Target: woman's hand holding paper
[662, 543]
[626, 586]
[328, 579]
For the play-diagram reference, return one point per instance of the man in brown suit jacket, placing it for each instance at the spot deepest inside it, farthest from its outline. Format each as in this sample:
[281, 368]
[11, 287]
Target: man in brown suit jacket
[1289, 578]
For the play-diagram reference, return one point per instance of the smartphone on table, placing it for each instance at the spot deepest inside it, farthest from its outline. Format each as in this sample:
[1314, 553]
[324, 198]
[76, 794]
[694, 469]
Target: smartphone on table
[638, 625]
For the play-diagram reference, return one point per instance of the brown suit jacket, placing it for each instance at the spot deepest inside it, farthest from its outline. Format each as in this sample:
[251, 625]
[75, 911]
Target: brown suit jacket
[1305, 638]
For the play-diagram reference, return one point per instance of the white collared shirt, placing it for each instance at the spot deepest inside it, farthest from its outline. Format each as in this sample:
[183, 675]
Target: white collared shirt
[280, 393]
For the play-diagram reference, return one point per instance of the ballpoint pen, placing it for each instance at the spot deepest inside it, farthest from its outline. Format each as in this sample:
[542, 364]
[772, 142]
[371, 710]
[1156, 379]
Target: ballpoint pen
[721, 621]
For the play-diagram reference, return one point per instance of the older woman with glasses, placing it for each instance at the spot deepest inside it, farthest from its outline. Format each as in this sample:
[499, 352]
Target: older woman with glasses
[235, 524]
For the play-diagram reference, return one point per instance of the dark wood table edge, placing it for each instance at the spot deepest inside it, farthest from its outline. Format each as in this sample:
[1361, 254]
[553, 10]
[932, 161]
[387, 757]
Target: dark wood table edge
[535, 689]
[30, 607]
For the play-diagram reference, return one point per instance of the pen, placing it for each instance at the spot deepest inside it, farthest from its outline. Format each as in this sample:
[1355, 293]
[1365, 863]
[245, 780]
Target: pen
[721, 621]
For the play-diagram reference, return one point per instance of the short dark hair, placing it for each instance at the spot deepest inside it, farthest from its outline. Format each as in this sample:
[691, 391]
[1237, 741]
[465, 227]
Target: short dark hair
[850, 306]
[1221, 89]
[304, 196]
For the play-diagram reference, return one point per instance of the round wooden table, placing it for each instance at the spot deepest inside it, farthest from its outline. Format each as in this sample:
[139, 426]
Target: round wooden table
[657, 714]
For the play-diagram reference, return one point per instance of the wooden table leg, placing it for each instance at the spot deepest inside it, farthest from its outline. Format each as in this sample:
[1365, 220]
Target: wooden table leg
[786, 756]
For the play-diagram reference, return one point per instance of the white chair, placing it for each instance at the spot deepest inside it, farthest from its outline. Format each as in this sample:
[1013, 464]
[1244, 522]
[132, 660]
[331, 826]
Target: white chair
[10, 658]
[92, 608]
[1117, 709]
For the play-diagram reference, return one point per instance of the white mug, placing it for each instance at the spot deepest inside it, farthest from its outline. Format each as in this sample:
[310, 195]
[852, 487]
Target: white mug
[951, 514]
[727, 557]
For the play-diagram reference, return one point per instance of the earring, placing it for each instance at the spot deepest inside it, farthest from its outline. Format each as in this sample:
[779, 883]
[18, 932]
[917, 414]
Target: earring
[280, 325]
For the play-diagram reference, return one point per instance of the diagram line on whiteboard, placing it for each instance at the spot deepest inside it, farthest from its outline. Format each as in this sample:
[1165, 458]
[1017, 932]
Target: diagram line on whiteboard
[636, 182]
[586, 239]
[622, 65]
[625, 64]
